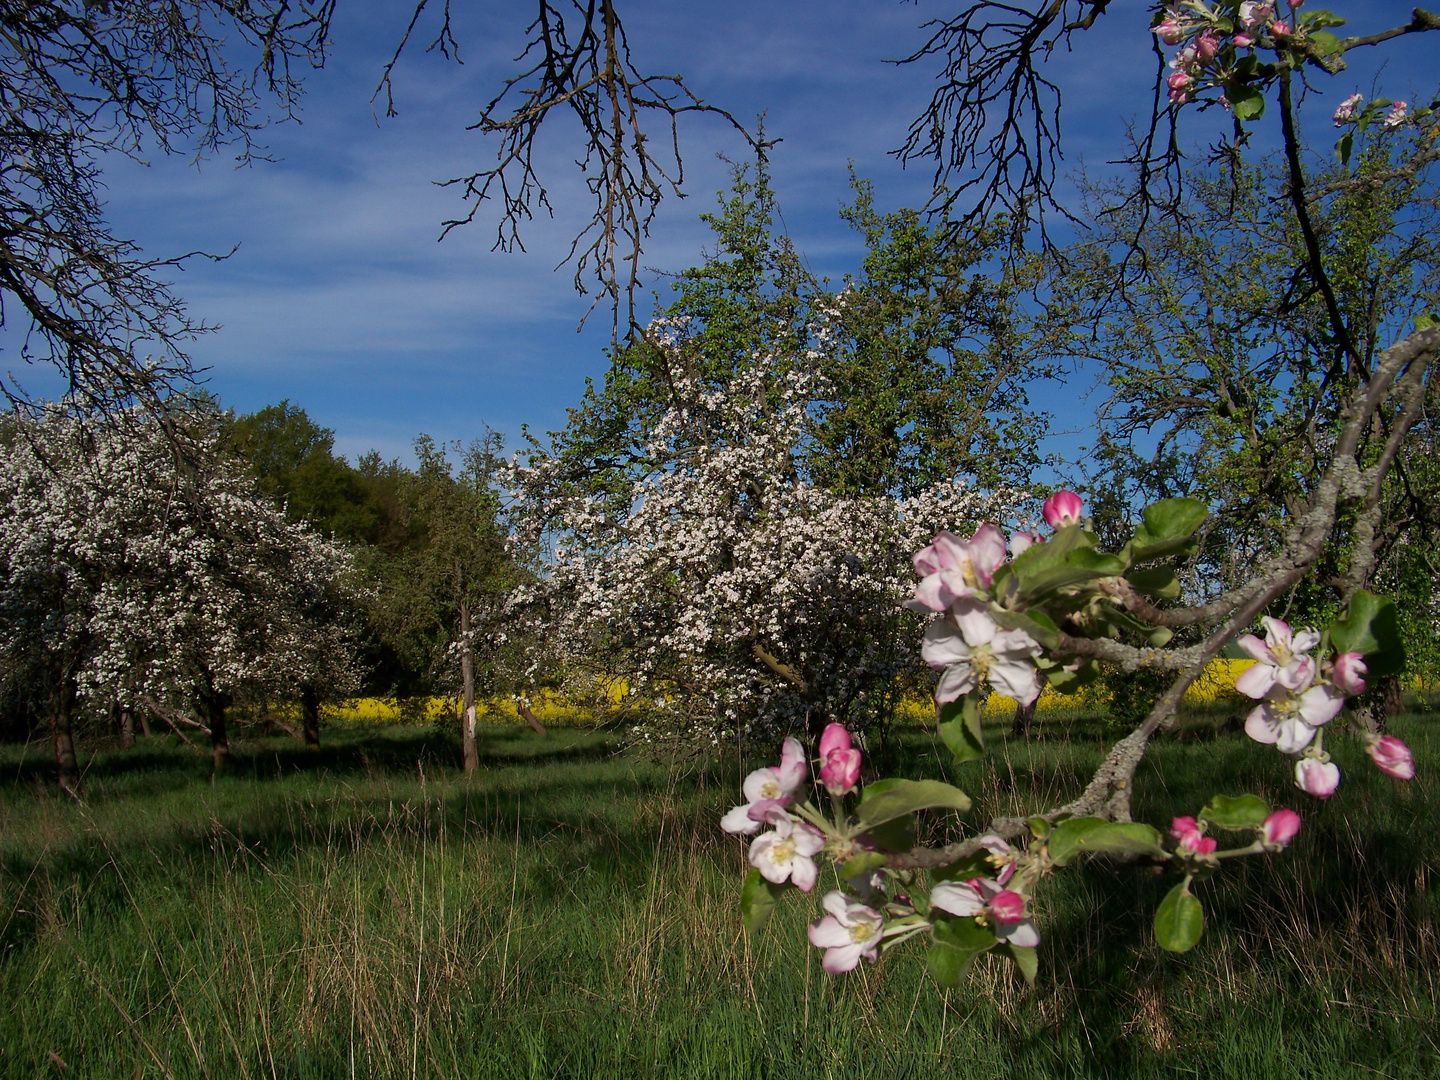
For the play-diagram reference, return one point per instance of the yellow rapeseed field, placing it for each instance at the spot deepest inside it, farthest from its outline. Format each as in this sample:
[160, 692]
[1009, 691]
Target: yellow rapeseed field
[551, 708]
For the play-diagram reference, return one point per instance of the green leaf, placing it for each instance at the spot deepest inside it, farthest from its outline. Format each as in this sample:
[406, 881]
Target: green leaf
[902, 797]
[1247, 102]
[1094, 835]
[1369, 625]
[1026, 960]
[862, 862]
[1173, 519]
[976, 865]
[1064, 840]
[1039, 827]
[1159, 582]
[1238, 812]
[1345, 146]
[960, 729]
[1179, 922]
[957, 943]
[1077, 567]
[1320, 17]
[895, 835]
[1324, 43]
[947, 964]
[1426, 320]
[962, 932]
[1035, 623]
[757, 900]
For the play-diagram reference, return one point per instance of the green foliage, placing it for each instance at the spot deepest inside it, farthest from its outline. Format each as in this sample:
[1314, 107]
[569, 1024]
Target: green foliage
[886, 800]
[1370, 625]
[1236, 812]
[1179, 921]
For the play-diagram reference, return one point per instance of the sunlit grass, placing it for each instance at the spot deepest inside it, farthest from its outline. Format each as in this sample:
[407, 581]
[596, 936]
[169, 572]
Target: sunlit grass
[571, 911]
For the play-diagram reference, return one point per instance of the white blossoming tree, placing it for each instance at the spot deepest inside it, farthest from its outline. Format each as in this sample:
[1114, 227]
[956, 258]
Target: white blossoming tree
[731, 594]
[133, 574]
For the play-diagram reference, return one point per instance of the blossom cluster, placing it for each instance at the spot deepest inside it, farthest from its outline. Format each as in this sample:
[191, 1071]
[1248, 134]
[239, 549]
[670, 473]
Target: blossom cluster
[731, 595]
[1299, 695]
[147, 577]
[980, 895]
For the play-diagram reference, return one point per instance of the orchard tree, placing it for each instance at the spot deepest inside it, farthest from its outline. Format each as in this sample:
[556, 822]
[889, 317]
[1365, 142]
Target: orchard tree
[138, 578]
[733, 594]
[446, 592]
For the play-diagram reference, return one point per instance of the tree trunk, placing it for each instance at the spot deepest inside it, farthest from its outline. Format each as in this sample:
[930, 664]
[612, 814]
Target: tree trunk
[529, 717]
[145, 722]
[1024, 717]
[310, 711]
[219, 739]
[467, 675]
[62, 706]
[127, 726]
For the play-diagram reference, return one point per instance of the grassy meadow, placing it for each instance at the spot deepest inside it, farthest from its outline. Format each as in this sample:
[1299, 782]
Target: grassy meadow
[571, 911]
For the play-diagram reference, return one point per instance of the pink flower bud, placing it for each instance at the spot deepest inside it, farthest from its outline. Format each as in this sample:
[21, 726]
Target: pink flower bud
[1064, 507]
[1170, 32]
[1294, 4]
[1207, 45]
[1347, 673]
[1393, 757]
[1280, 828]
[1316, 777]
[1243, 41]
[1192, 840]
[840, 771]
[834, 737]
[1007, 906]
[1280, 29]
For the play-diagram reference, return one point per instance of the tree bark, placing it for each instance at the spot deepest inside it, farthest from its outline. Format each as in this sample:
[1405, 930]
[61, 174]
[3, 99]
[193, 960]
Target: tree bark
[145, 722]
[62, 705]
[529, 717]
[127, 726]
[469, 746]
[219, 738]
[1024, 717]
[310, 711]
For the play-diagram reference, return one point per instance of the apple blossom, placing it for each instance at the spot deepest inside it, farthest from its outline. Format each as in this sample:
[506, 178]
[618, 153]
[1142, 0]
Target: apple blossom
[1347, 673]
[1253, 14]
[1396, 115]
[1243, 41]
[1192, 840]
[988, 899]
[1065, 507]
[1023, 541]
[1316, 777]
[1345, 111]
[839, 761]
[1280, 29]
[1279, 828]
[1393, 756]
[953, 569]
[1280, 659]
[1207, 45]
[787, 851]
[851, 932]
[1288, 721]
[972, 649]
[768, 787]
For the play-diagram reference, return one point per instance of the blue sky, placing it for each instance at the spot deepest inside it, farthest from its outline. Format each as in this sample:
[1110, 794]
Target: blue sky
[341, 299]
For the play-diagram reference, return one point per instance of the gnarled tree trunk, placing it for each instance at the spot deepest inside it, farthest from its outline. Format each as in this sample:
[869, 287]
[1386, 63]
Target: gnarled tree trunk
[127, 726]
[310, 712]
[62, 708]
[215, 704]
